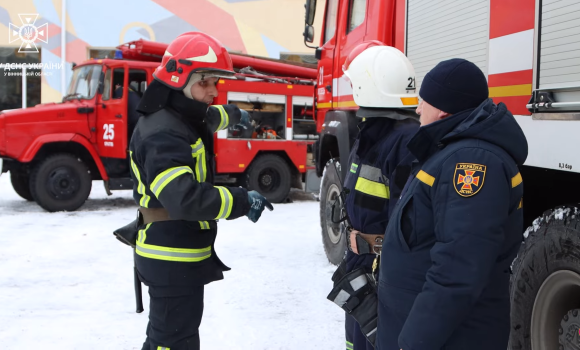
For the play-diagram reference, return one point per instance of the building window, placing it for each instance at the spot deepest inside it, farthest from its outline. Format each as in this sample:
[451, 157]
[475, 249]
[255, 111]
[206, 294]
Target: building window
[11, 78]
[98, 53]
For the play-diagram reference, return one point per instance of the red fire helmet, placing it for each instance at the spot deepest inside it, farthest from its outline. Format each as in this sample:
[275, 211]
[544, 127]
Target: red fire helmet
[193, 52]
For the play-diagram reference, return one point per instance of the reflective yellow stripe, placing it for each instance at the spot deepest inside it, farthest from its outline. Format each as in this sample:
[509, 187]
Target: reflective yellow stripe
[227, 203]
[169, 254]
[162, 348]
[166, 177]
[198, 152]
[141, 189]
[426, 178]
[204, 225]
[372, 188]
[225, 119]
[521, 203]
[516, 180]
[143, 234]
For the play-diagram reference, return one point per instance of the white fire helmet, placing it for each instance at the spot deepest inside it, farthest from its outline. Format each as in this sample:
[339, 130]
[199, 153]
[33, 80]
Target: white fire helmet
[381, 77]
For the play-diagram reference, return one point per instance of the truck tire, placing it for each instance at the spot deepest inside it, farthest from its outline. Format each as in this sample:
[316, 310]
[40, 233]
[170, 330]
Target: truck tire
[270, 175]
[21, 184]
[545, 284]
[61, 182]
[333, 235]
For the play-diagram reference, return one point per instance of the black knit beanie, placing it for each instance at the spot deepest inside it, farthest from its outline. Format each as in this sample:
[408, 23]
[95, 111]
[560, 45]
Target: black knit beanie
[454, 85]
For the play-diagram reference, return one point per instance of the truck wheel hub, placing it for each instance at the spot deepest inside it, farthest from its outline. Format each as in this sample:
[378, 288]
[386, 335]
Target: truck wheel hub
[555, 317]
[569, 330]
[269, 180]
[332, 229]
[62, 183]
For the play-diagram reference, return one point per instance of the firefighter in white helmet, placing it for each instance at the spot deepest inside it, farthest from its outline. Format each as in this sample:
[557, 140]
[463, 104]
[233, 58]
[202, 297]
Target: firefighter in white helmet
[383, 84]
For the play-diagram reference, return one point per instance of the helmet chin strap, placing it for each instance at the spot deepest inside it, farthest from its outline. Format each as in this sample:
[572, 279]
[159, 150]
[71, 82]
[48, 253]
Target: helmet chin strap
[192, 80]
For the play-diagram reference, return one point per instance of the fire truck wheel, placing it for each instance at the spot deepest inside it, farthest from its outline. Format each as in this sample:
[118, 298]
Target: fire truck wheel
[271, 176]
[21, 184]
[545, 284]
[61, 182]
[333, 237]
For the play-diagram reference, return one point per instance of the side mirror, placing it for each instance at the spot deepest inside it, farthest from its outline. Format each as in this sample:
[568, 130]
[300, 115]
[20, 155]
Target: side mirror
[310, 11]
[308, 33]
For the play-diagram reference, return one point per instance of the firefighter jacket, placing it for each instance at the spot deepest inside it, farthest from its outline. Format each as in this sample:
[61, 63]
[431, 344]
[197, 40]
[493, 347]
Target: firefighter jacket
[173, 167]
[379, 165]
[445, 263]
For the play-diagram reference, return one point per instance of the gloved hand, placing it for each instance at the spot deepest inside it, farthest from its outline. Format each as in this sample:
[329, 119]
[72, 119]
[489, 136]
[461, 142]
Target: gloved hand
[257, 205]
[245, 119]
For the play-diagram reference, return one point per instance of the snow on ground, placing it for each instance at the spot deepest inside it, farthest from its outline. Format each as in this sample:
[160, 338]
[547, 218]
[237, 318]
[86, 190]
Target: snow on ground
[67, 283]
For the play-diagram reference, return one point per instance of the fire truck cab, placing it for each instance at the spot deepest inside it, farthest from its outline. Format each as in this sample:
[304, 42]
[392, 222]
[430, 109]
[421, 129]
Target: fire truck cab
[529, 51]
[54, 151]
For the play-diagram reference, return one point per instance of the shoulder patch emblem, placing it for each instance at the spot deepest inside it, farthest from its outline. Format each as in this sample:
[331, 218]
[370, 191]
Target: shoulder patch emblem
[468, 178]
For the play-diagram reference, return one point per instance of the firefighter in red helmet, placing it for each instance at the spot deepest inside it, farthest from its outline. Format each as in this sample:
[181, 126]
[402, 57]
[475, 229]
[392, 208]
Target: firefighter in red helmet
[173, 169]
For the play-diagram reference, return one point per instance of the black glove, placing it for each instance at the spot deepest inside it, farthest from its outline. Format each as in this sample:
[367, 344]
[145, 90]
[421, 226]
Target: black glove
[257, 205]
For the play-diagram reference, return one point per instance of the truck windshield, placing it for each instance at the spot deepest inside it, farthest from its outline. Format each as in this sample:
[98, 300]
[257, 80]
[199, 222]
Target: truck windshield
[84, 83]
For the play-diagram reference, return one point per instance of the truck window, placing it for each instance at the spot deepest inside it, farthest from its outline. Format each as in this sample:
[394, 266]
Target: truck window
[357, 12]
[331, 13]
[118, 82]
[138, 81]
[85, 81]
[107, 86]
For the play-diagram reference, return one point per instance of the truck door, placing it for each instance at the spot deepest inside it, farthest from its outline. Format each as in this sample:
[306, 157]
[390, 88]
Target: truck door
[112, 114]
[325, 89]
[351, 32]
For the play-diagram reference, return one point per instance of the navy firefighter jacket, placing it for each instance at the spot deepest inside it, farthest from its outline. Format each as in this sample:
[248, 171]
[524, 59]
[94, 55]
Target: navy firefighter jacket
[445, 263]
[379, 165]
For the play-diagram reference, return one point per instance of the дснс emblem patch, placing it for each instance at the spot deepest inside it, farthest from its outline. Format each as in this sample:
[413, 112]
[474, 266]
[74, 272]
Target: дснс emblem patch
[468, 178]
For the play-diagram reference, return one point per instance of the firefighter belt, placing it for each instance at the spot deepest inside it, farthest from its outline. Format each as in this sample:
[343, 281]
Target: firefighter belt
[128, 233]
[355, 293]
[362, 243]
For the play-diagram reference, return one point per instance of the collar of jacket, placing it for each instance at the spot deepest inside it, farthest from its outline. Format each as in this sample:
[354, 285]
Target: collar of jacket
[159, 96]
[428, 140]
[191, 110]
[391, 113]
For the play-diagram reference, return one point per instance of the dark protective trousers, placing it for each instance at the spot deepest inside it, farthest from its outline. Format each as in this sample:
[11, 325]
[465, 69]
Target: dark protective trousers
[174, 320]
[355, 340]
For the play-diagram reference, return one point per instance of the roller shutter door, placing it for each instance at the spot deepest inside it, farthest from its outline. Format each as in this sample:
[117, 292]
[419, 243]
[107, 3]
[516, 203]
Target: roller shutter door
[560, 44]
[441, 29]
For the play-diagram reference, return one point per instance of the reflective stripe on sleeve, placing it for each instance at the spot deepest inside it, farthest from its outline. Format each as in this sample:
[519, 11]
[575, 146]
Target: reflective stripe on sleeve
[162, 348]
[371, 173]
[166, 177]
[198, 152]
[227, 203]
[225, 119]
[372, 188]
[141, 189]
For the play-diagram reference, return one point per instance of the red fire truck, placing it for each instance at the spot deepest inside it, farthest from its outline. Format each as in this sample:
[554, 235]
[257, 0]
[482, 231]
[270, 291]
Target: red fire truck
[54, 150]
[530, 53]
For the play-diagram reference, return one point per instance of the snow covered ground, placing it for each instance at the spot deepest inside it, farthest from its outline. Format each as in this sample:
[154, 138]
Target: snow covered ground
[67, 283]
